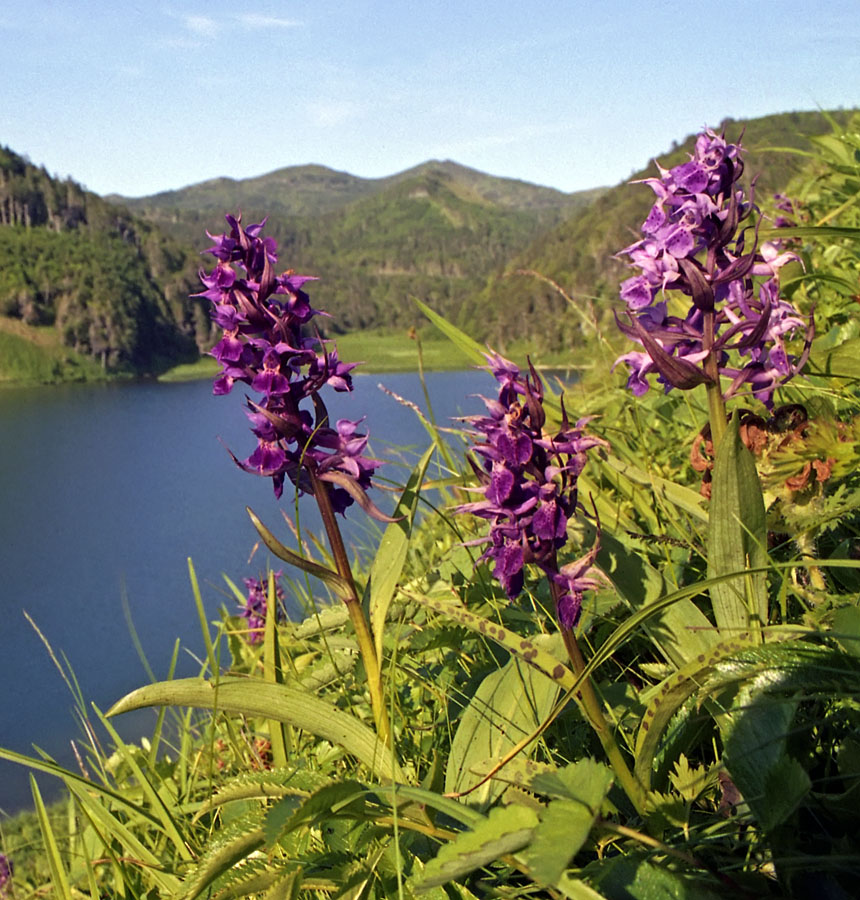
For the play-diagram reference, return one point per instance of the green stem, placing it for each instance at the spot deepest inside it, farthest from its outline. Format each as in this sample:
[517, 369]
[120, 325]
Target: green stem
[590, 703]
[363, 634]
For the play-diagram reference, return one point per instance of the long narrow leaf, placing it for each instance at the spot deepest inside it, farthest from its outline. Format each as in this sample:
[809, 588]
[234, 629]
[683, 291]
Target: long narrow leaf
[252, 697]
[327, 576]
[59, 878]
[390, 557]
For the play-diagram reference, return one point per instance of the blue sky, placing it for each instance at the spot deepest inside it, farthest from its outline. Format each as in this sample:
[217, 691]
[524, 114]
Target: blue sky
[137, 97]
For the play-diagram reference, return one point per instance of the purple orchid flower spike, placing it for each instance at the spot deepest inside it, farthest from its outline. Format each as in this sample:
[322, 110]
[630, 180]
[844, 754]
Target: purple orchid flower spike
[693, 247]
[264, 345]
[528, 486]
[256, 605]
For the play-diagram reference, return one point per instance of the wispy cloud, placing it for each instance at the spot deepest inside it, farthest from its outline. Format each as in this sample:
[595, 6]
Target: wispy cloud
[255, 20]
[202, 26]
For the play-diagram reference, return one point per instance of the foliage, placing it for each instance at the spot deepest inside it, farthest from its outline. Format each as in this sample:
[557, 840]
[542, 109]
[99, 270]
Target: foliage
[697, 735]
[112, 287]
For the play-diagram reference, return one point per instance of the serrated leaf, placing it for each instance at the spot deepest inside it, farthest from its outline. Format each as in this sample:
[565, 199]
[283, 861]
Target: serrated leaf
[506, 830]
[580, 789]
[737, 537]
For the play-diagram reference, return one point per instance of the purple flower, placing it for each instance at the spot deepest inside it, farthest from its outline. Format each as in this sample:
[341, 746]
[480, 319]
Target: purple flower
[256, 605]
[6, 870]
[693, 245]
[264, 345]
[528, 487]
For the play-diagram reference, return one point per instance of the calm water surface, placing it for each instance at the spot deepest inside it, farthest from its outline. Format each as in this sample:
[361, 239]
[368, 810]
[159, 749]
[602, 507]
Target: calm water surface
[104, 493]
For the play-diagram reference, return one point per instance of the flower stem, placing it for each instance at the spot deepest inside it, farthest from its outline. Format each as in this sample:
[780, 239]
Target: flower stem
[591, 705]
[363, 634]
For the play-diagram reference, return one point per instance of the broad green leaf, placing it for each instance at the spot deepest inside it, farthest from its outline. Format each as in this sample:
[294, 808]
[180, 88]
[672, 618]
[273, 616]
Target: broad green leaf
[846, 628]
[680, 630]
[633, 877]
[524, 648]
[252, 697]
[737, 537]
[228, 847]
[59, 878]
[566, 822]
[508, 705]
[506, 830]
[390, 557]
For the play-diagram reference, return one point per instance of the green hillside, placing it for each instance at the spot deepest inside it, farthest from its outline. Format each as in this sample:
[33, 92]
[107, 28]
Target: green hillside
[579, 253]
[108, 287]
[436, 231]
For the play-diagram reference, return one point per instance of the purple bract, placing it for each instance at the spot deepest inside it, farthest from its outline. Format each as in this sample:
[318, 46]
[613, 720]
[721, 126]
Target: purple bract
[264, 345]
[694, 247]
[528, 482]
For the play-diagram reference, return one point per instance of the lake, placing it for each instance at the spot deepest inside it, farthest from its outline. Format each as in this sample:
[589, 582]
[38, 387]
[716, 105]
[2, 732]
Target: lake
[105, 491]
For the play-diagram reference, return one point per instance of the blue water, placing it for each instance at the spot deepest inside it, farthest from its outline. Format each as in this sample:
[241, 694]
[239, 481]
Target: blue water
[104, 493]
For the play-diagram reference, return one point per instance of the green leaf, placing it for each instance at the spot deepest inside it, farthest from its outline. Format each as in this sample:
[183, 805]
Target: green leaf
[524, 648]
[508, 705]
[681, 630]
[252, 697]
[273, 673]
[632, 877]
[390, 557]
[737, 537]
[565, 824]
[846, 628]
[668, 696]
[470, 348]
[59, 878]
[506, 830]
[159, 807]
[328, 576]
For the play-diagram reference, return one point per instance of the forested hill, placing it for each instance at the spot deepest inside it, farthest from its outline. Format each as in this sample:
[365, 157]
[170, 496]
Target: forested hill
[105, 281]
[579, 254]
[437, 231]
[86, 286]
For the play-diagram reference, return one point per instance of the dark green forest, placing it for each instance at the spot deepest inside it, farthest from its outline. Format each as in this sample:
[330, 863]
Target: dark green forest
[108, 279]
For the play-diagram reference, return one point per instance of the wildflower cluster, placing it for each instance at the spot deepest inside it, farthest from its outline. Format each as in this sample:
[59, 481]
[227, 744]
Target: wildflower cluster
[529, 486]
[256, 605]
[694, 244]
[263, 316]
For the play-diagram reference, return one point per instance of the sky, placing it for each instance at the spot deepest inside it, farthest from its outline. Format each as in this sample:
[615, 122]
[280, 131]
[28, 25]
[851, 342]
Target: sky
[139, 97]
